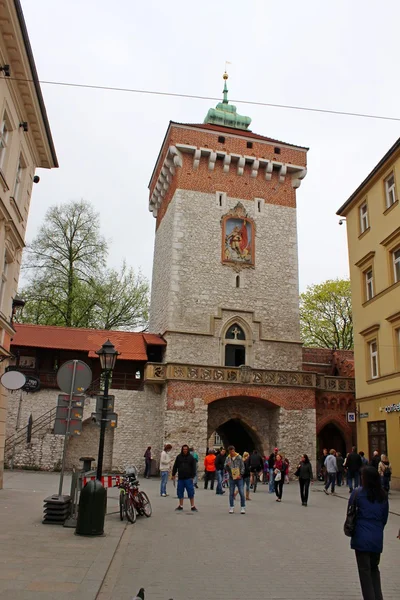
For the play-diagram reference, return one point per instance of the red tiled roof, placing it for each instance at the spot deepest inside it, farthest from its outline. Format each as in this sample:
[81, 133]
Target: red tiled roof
[233, 130]
[131, 345]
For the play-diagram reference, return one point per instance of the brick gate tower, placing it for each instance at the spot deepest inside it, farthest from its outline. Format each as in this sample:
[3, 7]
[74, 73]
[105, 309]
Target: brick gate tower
[225, 287]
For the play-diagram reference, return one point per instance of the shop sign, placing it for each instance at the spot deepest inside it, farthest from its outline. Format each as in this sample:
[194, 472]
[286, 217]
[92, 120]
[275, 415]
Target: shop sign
[351, 417]
[392, 408]
[364, 415]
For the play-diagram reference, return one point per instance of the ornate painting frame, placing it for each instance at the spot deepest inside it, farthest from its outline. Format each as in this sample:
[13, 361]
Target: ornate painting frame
[238, 238]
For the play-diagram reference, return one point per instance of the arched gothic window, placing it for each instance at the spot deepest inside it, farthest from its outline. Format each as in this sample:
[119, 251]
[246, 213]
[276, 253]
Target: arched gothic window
[235, 350]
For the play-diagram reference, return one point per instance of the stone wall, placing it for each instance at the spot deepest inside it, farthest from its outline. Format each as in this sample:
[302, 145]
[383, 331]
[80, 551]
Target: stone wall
[188, 256]
[296, 435]
[140, 424]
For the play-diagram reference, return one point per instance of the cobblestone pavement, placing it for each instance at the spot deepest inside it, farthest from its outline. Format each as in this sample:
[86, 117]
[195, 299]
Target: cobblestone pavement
[276, 551]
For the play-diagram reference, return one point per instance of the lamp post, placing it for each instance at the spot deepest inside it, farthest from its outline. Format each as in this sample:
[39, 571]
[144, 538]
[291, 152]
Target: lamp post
[93, 498]
[108, 356]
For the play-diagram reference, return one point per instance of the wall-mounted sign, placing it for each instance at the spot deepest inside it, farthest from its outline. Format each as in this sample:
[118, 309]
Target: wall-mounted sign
[392, 408]
[351, 417]
[364, 415]
[32, 383]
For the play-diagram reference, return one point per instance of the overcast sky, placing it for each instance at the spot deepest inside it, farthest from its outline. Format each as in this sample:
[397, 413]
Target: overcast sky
[336, 55]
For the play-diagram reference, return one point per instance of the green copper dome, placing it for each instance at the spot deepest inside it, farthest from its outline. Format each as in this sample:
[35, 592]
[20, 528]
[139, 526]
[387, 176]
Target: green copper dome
[225, 113]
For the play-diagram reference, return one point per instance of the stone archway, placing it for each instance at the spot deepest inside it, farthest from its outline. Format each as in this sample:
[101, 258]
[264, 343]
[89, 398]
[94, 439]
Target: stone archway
[246, 423]
[330, 436]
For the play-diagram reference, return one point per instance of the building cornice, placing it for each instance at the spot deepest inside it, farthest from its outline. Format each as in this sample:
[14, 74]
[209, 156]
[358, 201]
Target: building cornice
[24, 82]
[370, 330]
[391, 238]
[365, 259]
[231, 162]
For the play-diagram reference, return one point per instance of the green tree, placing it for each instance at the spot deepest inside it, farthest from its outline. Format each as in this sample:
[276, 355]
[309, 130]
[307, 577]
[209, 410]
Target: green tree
[68, 283]
[122, 300]
[326, 319]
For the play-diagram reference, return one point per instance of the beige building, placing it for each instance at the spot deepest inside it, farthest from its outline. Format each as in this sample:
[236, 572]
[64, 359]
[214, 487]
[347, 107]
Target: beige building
[25, 144]
[373, 229]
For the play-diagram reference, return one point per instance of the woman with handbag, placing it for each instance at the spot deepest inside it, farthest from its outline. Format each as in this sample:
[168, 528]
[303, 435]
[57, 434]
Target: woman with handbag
[279, 476]
[367, 515]
[305, 475]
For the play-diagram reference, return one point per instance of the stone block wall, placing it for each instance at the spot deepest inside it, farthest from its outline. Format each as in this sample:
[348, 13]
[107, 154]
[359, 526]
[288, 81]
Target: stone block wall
[140, 424]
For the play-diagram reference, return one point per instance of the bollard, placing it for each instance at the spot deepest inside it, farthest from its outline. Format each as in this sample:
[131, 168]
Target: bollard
[92, 509]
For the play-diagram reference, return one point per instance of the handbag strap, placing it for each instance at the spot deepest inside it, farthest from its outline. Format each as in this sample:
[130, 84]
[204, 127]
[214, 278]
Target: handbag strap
[354, 503]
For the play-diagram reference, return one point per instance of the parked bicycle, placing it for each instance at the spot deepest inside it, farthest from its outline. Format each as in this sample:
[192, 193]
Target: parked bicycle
[132, 500]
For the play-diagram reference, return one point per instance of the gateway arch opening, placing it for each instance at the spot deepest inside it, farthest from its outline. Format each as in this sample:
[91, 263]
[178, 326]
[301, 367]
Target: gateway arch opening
[236, 433]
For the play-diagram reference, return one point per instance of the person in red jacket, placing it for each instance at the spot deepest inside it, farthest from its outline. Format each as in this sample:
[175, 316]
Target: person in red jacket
[209, 465]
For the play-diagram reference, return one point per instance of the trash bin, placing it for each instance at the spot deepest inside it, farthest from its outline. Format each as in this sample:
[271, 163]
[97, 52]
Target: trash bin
[92, 509]
[154, 468]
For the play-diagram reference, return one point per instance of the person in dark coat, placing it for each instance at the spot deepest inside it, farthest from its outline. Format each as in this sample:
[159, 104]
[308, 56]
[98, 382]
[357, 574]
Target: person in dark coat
[305, 475]
[271, 462]
[147, 462]
[375, 460]
[185, 466]
[353, 465]
[372, 515]
[220, 466]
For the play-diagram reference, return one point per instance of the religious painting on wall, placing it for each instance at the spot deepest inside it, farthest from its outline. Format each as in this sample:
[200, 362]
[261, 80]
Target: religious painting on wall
[238, 237]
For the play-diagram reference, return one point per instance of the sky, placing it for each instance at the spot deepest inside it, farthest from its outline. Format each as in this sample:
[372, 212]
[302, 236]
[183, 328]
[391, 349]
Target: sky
[337, 55]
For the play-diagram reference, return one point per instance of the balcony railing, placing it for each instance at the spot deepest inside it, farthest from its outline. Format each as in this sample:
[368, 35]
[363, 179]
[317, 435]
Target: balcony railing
[119, 381]
[159, 373]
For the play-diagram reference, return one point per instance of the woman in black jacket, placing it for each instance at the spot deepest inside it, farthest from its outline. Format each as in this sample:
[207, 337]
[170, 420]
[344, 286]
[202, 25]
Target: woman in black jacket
[305, 475]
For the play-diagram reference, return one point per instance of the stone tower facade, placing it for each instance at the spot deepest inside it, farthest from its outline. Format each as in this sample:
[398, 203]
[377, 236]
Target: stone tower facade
[207, 180]
[225, 286]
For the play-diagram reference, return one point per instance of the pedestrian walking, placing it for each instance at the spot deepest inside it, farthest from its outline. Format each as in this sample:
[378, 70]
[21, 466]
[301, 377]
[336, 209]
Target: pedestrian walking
[364, 460]
[367, 540]
[287, 463]
[385, 472]
[246, 475]
[210, 469]
[265, 470]
[256, 466]
[331, 469]
[235, 466]
[196, 458]
[279, 476]
[220, 467]
[185, 467]
[375, 460]
[323, 470]
[353, 464]
[271, 463]
[340, 468]
[165, 465]
[305, 475]
[147, 462]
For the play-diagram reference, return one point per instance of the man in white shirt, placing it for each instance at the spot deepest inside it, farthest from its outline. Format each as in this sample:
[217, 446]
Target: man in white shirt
[165, 465]
[331, 469]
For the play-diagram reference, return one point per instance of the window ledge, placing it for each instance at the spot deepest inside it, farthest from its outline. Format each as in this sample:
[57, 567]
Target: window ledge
[382, 293]
[3, 182]
[384, 377]
[391, 207]
[364, 233]
[15, 205]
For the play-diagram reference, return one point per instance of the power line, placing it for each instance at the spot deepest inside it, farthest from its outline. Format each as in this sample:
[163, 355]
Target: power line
[213, 98]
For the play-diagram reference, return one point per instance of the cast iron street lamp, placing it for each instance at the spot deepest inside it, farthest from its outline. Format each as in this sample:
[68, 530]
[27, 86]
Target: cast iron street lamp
[108, 356]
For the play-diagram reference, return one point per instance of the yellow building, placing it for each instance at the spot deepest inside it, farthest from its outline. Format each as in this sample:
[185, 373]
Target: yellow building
[373, 230]
[25, 143]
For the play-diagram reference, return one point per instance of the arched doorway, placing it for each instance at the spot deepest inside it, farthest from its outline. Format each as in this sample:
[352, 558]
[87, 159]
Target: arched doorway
[236, 433]
[330, 437]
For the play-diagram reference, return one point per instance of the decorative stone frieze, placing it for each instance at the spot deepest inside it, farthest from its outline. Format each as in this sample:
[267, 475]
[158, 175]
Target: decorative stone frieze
[155, 373]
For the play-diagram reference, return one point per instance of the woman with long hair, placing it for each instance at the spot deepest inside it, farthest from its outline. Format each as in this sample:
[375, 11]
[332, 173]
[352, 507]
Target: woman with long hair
[367, 541]
[305, 475]
[385, 472]
[279, 476]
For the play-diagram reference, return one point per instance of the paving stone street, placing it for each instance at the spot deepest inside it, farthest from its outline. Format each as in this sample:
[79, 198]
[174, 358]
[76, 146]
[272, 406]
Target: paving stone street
[278, 551]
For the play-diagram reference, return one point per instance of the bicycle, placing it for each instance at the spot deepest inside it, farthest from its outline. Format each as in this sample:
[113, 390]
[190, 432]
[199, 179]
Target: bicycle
[132, 501]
